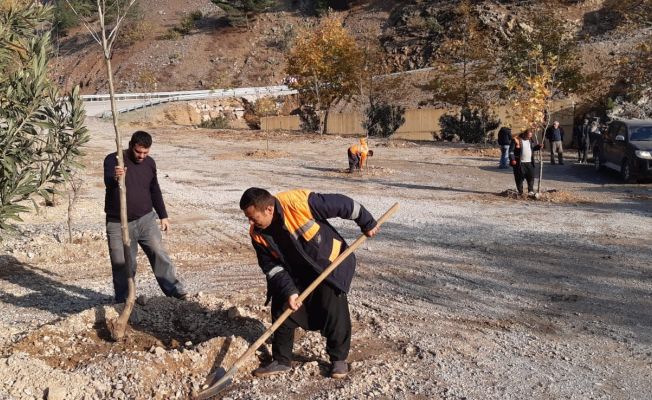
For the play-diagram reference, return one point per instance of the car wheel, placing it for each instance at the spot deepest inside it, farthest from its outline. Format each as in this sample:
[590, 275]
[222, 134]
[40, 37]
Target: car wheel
[626, 171]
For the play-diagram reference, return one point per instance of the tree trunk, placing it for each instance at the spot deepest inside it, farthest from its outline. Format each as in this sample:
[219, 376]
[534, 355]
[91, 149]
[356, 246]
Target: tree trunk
[325, 122]
[118, 326]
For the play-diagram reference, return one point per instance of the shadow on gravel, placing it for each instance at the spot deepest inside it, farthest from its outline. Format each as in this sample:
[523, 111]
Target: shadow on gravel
[386, 183]
[44, 292]
[538, 276]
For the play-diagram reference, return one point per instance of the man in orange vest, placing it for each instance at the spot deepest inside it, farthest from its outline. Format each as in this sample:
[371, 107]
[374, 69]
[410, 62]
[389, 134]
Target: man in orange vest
[294, 243]
[358, 155]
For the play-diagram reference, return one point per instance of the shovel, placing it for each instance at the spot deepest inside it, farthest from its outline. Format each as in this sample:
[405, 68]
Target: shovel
[220, 380]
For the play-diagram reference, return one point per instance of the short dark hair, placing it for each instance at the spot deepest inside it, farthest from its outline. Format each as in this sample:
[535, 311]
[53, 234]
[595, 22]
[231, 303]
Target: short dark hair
[257, 197]
[141, 138]
[370, 153]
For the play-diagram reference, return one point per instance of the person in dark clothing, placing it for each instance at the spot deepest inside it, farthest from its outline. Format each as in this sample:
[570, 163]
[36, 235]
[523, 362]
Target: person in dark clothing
[504, 139]
[143, 195]
[584, 142]
[579, 135]
[555, 134]
[294, 243]
[521, 158]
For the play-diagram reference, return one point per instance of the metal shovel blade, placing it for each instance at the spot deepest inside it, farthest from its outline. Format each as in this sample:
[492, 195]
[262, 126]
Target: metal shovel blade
[217, 381]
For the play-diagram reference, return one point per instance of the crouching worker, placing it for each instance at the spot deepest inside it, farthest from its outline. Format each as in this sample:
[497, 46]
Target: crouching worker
[521, 158]
[294, 243]
[358, 154]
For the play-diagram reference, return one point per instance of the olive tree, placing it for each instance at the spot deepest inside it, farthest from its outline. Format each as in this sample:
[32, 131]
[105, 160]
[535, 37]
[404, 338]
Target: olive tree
[41, 131]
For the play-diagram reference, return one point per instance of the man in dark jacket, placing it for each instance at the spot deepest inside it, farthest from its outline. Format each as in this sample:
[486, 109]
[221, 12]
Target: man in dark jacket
[504, 139]
[521, 158]
[294, 243]
[143, 196]
[555, 134]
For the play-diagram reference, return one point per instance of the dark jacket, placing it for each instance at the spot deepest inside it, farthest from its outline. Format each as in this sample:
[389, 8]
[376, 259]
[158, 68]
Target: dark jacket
[550, 132]
[504, 136]
[143, 191]
[581, 135]
[316, 241]
[515, 150]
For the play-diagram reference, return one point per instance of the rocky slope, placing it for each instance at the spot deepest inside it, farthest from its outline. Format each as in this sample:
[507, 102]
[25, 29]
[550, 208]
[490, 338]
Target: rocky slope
[215, 55]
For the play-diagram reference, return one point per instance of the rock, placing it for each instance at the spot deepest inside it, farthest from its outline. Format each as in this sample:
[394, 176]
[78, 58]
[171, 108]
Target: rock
[235, 312]
[142, 300]
[159, 351]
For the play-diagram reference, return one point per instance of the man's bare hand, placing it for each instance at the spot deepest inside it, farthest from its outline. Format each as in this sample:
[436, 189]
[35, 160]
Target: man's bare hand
[165, 225]
[119, 171]
[293, 303]
[372, 232]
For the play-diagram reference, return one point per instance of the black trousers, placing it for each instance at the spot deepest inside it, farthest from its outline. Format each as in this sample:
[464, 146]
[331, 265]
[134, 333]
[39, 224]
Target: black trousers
[325, 310]
[524, 171]
[354, 161]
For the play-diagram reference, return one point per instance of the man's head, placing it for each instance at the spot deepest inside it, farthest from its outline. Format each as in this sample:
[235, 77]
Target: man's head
[527, 134]
[139, 146]
[555, 124]
[586, 121]
[258, 206]
[370, 153]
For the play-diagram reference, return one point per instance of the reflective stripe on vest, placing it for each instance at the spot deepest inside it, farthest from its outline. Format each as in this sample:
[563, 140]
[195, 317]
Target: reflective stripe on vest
[296, 213]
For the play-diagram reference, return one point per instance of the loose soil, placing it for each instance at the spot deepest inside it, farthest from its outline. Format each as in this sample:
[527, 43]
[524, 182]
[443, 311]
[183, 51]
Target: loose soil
[466, 293]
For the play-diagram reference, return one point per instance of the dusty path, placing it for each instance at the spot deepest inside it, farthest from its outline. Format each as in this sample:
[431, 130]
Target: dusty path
[464, 294]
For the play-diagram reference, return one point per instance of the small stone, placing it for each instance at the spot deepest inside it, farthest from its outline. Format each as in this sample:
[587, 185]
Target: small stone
[159, 351]
[188, 344]
[142, 300]
[234, 312]
[55, 392]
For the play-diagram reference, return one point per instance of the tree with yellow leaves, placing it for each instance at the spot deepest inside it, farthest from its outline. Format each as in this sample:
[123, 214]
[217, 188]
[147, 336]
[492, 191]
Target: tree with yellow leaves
[464, 76]
[325, 64]
[538, 64]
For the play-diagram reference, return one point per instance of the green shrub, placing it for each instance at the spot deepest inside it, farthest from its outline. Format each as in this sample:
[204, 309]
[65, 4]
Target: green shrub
[383, 119]
[471, 126]
[220, 122]
[171, 34]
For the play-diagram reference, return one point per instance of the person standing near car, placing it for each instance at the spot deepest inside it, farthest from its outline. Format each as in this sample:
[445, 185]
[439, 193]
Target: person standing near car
[504, 139]
[555, 134]
[521, 158]
[584, 142]
[144, 203]
[581, 131]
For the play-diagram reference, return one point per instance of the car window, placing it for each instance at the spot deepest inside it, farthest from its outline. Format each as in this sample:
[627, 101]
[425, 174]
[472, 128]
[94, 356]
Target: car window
[642, 133]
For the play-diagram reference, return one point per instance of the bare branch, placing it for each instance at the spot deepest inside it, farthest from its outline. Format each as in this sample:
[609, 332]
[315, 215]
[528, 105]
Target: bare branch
[121, 16]
[85, 23]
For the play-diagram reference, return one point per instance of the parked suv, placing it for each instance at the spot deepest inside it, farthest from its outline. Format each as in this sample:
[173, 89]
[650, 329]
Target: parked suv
[626, 146]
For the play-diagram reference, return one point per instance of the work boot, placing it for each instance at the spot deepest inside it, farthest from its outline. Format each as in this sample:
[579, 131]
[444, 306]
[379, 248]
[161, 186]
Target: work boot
[272, 368]
[339, 369]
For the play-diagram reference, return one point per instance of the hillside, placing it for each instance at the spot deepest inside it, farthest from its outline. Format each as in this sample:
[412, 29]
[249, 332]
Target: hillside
[216, 55]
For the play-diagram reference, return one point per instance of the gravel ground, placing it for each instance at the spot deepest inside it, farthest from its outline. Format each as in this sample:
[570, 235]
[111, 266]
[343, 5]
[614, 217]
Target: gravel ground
[465, 293]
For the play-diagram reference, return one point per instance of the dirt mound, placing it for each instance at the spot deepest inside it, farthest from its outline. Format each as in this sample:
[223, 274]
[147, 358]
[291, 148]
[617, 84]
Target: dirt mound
[550, 196]
[169, 349]
[252, 154]
[267, 154]
[491, 152]
[397, 144]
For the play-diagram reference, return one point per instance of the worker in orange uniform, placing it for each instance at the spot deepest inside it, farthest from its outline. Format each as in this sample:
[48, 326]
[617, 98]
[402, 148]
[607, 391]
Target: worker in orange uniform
[358, 154]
